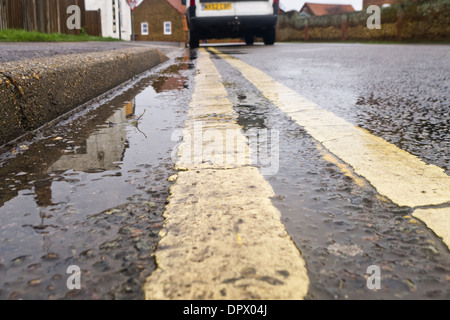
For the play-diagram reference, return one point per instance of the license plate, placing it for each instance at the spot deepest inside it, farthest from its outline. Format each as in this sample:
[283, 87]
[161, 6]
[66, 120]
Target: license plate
[216, 6]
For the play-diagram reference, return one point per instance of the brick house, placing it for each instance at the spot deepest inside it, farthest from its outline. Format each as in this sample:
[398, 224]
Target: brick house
[160, 20]
[320, 9]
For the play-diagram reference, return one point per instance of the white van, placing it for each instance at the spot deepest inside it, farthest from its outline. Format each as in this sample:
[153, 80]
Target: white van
[220, 19]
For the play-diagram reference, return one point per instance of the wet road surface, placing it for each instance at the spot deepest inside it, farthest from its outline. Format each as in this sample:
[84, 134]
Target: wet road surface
[92, 190]
[340, 227]
[391, 90]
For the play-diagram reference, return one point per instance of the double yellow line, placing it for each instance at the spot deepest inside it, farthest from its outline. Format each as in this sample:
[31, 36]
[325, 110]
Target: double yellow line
[223, 238]
[396, 174]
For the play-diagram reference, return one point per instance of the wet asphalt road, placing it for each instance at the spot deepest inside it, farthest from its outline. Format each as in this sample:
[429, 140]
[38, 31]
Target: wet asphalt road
[92, 190]
[340, 227]
[397, 92]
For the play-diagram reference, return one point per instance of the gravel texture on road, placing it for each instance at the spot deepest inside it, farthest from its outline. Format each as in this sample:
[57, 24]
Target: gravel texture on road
[16, 51]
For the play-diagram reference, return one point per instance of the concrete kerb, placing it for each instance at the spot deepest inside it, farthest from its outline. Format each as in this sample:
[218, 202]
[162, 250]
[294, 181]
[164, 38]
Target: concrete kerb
[36, 91]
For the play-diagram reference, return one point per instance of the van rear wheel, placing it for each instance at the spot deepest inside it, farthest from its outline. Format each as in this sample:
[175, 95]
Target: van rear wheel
[194, 41]
[269, 36]
[249, 40]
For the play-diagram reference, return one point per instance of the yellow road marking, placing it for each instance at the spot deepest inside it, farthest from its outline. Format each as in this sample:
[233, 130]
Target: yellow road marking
[396, 174]
[345, 169]
[239, 239]
[212, 204]
[437, 220]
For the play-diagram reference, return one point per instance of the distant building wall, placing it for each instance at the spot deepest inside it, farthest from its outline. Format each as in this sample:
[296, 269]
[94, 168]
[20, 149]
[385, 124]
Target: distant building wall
[413, 22]
[155, 13]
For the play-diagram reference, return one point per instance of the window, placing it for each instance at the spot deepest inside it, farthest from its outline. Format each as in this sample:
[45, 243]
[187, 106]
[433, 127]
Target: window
[167, 28]
[114, 18]
[144, 28]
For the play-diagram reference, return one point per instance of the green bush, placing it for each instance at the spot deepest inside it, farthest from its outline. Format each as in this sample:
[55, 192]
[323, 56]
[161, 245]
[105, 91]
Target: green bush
[14, 35]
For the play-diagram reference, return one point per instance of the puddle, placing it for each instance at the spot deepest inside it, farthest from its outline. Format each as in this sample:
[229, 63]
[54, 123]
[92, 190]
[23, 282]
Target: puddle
[90, 192]
[250, 117]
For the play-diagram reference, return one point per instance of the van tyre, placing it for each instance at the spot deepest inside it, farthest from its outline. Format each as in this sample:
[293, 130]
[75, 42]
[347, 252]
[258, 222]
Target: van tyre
[194, 41]
[249, 40]
[269, 36]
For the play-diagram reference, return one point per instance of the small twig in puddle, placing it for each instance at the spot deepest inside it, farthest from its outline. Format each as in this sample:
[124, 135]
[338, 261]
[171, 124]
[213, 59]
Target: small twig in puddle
[140, 117]
[136, 124]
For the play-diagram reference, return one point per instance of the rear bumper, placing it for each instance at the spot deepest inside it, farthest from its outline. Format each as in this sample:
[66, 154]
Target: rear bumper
[231, 26]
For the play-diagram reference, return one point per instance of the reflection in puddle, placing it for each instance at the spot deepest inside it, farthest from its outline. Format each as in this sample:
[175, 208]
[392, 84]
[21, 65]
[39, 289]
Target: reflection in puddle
[104, 150]
[250, 117]
[91, 192]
